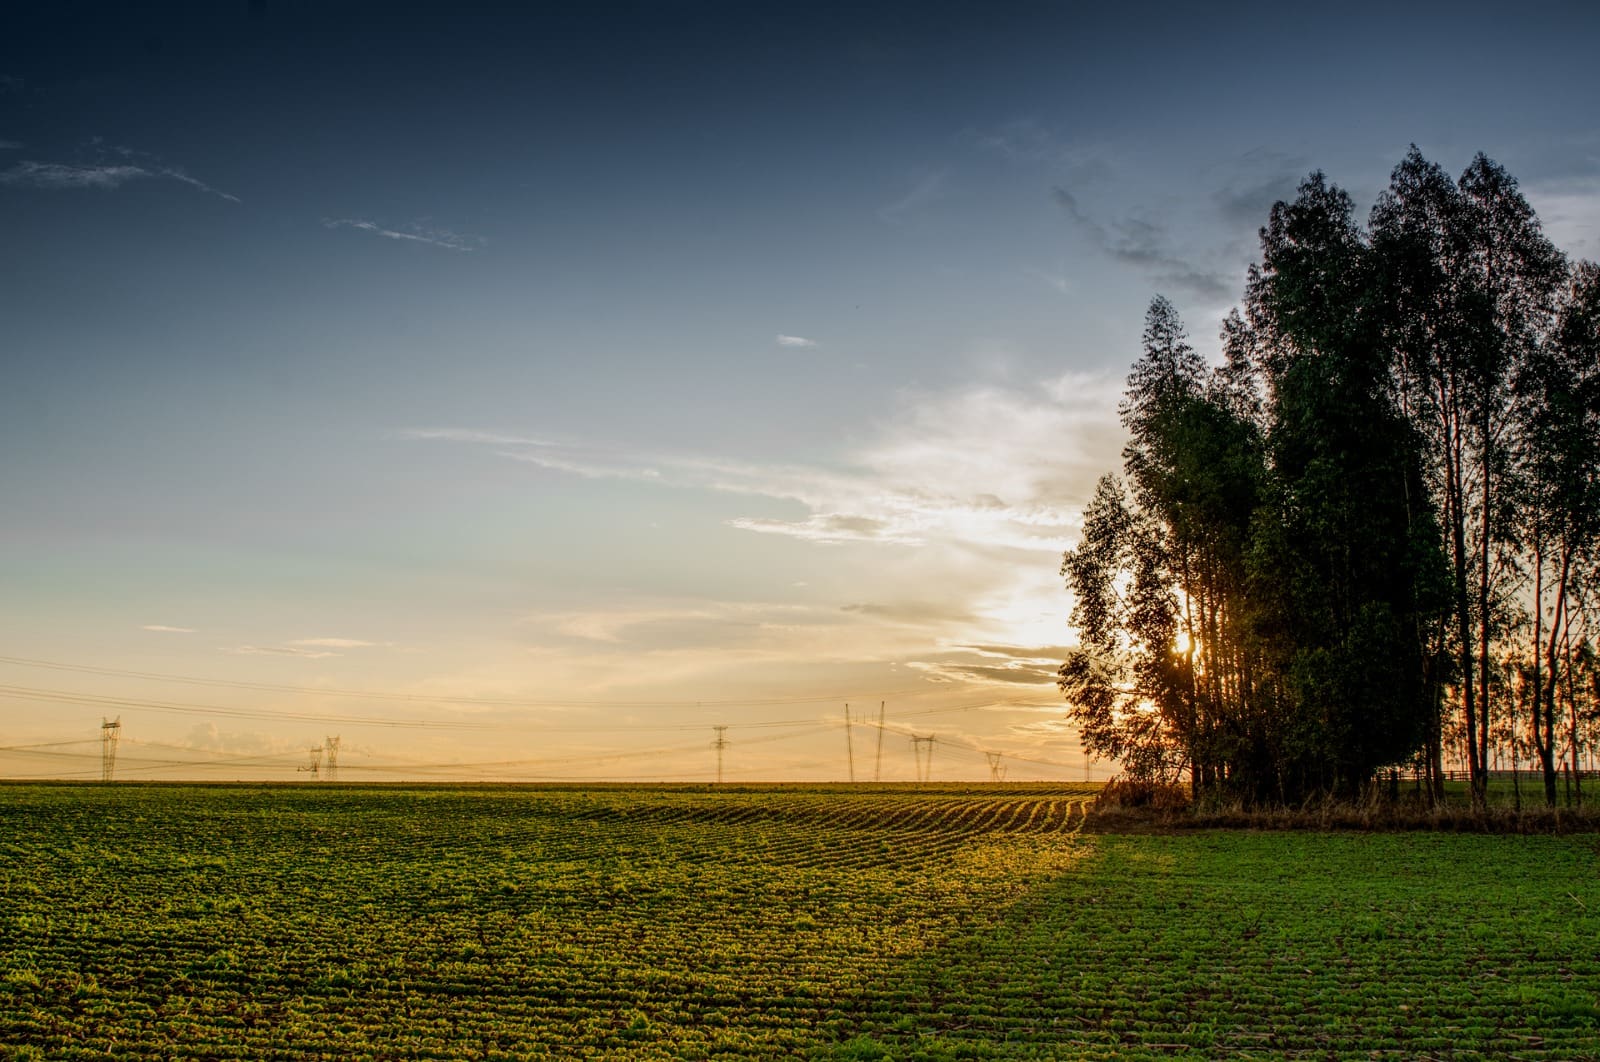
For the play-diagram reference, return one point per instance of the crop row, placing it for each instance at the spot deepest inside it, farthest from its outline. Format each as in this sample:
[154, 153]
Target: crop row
[239, 923]
[433, 923]
[1276, 945]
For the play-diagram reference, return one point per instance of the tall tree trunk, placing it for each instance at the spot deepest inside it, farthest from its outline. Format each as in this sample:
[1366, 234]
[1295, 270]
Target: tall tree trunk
[1200, 770]
[1547, 700]
[1455, 500]
[1481, 783]
[1543, 740]
[1572, 717]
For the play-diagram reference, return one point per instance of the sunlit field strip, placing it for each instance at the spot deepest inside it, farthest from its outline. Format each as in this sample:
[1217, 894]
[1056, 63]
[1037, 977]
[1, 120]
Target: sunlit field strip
[866, 922]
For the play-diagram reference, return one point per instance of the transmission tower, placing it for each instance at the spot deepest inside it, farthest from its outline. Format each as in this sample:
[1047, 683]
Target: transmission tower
[877, 766]
[315, 768]
[849, 744]
[997, 770]
[922, 751]
[331, 744]
[110, 734]
[719, 744]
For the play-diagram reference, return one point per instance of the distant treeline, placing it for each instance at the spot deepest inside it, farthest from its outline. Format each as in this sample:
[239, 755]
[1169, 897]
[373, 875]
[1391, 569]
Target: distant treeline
[1368, 539]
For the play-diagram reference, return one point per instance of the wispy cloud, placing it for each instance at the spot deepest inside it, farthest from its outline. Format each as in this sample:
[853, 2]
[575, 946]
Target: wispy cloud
[1042, 674]
[1028, 142]
[1570, 211]
[828, 527]
[10, 145]
[1145, 244]
[277, 650]
[1019, 140]
[924, 192]
[195, 182]
[980, 487]
[164, 629]
[306, 648]
[470, 436]
[1010, 664]
[915, 611]
[415, 232]
[1252, 182]
[208, 738]
[677, 623]
[1056, 281]
[1248, 205]
[795, 341]
[60, 175]
[993, 467]
[1051, 729]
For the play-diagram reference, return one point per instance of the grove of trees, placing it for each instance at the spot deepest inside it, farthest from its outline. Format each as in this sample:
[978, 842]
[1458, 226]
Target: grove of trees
[1368, 539]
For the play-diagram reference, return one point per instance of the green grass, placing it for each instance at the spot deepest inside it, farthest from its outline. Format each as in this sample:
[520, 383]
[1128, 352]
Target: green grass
[1504, 791]
[250, 922]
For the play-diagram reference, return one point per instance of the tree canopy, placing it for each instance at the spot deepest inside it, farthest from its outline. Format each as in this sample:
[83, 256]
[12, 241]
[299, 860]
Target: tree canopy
[1367, 539]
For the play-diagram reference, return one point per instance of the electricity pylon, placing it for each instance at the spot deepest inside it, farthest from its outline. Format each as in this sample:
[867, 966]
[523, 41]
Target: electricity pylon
[110, 734]
[719, 744]
[922, 751]
[877, 766]
[849, 744]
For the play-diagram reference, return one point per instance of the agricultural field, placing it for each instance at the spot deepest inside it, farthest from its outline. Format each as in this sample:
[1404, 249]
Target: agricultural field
[146, 921]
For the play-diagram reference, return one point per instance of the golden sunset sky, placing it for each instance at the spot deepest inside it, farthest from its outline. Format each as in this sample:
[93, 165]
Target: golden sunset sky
[520, 394]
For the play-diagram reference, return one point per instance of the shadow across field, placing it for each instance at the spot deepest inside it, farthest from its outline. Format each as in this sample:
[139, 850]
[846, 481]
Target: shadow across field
[1247, 944]
[430, 922]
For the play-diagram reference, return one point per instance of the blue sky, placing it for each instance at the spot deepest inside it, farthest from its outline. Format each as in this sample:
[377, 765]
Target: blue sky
[624, 357]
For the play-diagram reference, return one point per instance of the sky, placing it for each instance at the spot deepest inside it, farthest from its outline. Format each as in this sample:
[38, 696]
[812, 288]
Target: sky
[521, 391]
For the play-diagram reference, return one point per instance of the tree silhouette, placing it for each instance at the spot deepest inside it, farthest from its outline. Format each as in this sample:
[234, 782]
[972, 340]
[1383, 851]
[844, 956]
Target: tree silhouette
[1325, 542]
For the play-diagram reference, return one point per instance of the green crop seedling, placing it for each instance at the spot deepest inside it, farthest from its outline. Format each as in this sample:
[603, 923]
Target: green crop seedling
[824, 922]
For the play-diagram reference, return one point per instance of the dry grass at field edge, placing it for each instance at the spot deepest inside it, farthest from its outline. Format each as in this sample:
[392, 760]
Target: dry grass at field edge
[1380, 818]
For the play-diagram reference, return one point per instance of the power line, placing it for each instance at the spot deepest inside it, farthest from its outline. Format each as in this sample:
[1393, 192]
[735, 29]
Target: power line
[285, 760]
[189, 708]
[29, 693]
[971, 746]
[192, 708]
[546, 767]
[784, 729]
[422, 698]
[378, 766]
[47, 745]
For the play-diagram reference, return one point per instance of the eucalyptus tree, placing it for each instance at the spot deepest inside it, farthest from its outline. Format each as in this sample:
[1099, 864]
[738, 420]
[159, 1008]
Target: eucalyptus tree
[1196, 469]
[1558, 447]
[1395, 467]
[1159, 575]
[1468, 281]
[1122, 681]
[1512, 276]
[1346, 561]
